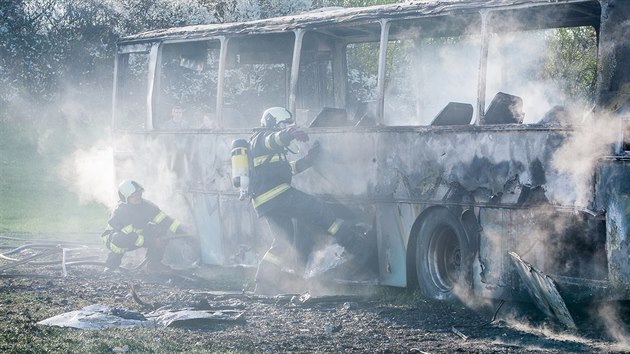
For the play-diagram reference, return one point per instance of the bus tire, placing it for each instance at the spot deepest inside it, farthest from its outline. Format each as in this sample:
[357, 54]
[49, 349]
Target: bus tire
[443, 256]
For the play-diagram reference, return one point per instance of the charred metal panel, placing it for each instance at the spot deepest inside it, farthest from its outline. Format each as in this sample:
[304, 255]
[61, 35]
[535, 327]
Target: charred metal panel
[543, 290]
[473, 165]
[574, 8]
[613, 196]
[507, 172]
[563, 244]
[517, 230]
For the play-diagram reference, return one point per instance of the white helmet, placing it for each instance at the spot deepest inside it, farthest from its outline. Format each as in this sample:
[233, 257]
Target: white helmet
[127, 188]
[274, 115]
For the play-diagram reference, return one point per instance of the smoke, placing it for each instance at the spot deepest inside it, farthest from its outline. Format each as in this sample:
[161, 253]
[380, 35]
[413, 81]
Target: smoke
[610, 316]
[90, 174]
[515, 321]
[427, 74]
[591, 138]
[161, 167]
[511, 71]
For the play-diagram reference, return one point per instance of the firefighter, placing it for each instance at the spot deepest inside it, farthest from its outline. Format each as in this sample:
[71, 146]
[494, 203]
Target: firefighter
[278, 202]
[135, 223]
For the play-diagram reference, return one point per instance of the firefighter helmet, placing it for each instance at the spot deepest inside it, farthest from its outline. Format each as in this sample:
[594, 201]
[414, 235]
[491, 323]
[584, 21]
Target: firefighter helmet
[127, 188]
[274, 115]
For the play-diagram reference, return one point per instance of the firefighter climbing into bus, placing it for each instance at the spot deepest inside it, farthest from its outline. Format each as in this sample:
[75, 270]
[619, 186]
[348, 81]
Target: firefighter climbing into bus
[263, 172]
[138, 223]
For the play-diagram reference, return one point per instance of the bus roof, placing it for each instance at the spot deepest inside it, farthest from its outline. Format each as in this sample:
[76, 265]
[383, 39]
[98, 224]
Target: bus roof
[583, 9]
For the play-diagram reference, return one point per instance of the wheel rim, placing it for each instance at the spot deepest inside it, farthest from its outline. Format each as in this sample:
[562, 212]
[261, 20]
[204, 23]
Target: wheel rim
[444, 256]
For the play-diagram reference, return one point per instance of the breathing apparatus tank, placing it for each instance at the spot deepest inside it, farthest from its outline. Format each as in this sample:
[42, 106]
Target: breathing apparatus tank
[240, 166]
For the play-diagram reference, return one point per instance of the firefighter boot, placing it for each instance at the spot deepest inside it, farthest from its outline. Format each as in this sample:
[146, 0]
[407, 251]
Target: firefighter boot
[112, 262]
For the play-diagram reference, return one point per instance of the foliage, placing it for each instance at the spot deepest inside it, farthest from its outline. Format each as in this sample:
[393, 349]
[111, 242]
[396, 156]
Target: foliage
[572, 58]
[53, 48]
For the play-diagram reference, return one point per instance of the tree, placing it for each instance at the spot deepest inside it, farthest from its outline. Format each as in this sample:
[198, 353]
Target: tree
[52, 51]
[572, 59]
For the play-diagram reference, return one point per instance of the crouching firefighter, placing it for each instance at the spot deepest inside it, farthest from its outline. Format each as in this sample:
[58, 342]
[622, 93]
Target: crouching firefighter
[135, 223]
[279, 203]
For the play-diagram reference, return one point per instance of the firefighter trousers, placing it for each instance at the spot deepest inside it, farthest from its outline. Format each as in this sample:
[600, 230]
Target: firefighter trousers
[120, 241]
[290, 251]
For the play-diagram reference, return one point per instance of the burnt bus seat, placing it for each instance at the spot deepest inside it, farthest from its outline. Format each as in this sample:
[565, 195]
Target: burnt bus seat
[505, 109]
[331, 117]
[455, 113]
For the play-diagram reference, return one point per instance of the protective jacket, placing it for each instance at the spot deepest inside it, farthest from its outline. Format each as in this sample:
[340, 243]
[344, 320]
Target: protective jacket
[272, 170]
[132, 226]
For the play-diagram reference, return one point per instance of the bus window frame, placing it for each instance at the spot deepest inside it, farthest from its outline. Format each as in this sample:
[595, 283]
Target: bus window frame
[126, 50]
[155, 101]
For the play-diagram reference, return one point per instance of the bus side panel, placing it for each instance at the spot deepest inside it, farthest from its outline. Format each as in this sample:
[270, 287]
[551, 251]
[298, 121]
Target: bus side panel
[506, 230]
[346, 166]
[471, 165]
[507, 176]
[208, 222]
[394, 223]
[613, 196]
[229, 227]
[189, 176]
[245, 237]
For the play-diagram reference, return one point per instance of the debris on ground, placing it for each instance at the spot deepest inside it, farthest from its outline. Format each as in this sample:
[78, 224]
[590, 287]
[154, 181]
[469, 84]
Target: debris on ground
[101, 316]
[176, 310]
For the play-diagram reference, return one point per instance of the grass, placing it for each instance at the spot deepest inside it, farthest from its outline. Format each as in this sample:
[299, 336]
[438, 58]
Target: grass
[33, 197]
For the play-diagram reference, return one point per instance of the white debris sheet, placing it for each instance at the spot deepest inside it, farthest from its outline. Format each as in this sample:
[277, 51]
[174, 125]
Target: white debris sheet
[320, 261]
[102, 316]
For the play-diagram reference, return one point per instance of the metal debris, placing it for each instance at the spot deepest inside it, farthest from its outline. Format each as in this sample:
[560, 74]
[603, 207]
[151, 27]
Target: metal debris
[95, 317]
[187, 318]
[323, 260]
[101, 316]
[543, 291]
[138, 300]
[30, 251]
[28, 259]
[462, 335]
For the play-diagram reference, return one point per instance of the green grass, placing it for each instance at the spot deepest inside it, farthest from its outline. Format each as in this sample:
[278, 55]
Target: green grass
[33, 197]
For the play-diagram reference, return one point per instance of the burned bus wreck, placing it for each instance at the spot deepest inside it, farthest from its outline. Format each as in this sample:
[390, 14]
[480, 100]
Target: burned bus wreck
[484, 140]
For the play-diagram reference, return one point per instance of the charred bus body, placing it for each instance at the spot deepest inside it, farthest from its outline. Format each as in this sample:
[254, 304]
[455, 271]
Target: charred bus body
[447, 124]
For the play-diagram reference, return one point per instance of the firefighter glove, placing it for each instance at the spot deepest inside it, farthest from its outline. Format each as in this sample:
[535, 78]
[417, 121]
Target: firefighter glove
[297, 134]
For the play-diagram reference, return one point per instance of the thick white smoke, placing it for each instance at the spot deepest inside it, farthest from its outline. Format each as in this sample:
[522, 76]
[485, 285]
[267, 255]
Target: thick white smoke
[592, 137]
[90, 173]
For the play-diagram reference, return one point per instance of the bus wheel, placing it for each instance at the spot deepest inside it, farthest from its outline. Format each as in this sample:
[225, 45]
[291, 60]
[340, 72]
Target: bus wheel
[443, 256]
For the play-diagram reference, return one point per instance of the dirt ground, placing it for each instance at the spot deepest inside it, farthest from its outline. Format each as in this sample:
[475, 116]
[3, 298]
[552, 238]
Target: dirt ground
[359, 318]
